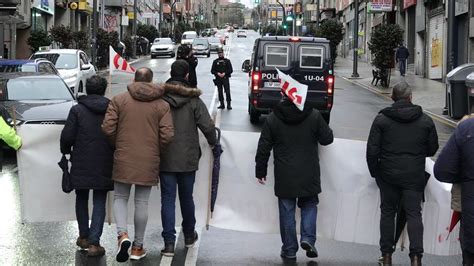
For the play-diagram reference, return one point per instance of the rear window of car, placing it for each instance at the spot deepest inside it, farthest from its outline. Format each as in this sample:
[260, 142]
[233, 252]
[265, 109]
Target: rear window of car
[311, 57]
[18, 68]
[276, 55]
[200, 41]
[61, 61]
[190, 36]
[37, 89]
[163, 41]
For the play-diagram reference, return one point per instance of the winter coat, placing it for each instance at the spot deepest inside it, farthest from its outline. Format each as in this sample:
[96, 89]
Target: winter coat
[400, 139]
[455, 164]
[8, 135]
[402, 53]
[91, 152]
[294, 136]
[193, 62]
[222, 65]
[189, 113]
[139, 124]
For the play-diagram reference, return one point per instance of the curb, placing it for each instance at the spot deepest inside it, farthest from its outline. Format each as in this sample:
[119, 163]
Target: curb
[382, 93]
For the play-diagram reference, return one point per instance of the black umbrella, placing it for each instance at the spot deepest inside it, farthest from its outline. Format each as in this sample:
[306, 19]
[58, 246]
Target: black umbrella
[66, 181]
[217, 151]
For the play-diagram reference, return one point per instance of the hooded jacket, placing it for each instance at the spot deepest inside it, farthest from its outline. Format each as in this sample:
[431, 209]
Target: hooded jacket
[138, 122]
[400, 139]
[91, 152]
[189, 113]
[293, 135]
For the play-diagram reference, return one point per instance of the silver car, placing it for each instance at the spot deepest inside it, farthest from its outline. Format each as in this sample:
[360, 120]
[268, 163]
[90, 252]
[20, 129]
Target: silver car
[163, 46]
[215, 43]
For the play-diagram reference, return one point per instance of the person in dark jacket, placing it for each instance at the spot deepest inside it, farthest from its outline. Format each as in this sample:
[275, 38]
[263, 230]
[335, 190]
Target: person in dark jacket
[186, 53]
[91, 159]
[401, 58]
[400, 139]
[455, 164]
[293, 135]
[180, 159]
[222, 70]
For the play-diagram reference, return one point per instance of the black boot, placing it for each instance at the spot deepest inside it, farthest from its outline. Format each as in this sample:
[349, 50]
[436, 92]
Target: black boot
[229, 107]
[386, 259]
[222, 106]
[415, 260]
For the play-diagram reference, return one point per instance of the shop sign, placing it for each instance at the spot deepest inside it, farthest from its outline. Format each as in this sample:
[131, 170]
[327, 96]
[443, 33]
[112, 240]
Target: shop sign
[382, 5]
[462, 6]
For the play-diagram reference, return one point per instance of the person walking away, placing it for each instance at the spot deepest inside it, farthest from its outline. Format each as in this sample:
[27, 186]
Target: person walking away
[186, 53]
[222, 70]
[7, 134]
[91, 160]
[293, 135]
[455, 164]
[401, 58]
[400, 139]
[180, 159]
[139, 124]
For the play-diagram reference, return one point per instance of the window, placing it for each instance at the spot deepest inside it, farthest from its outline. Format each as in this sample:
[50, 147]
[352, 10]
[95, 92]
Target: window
[61, 61]
[37, 89]
[42, 68]
[276, 56]
[311, 57]
[49, 68]
[84, 59]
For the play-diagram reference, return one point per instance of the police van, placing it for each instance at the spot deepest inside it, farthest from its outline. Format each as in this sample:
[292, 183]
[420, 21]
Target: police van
[306, 59]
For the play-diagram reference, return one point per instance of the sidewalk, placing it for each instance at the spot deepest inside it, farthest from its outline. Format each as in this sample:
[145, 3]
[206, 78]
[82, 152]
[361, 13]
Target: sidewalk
[429, 94]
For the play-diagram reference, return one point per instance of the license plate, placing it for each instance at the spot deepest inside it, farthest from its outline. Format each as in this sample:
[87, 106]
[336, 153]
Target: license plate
[272, 84]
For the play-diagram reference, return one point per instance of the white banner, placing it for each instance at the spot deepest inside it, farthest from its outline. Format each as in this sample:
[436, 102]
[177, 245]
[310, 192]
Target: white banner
[349, 202]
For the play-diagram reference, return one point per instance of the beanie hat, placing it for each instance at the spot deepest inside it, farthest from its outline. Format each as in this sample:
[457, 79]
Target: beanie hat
[179, 68]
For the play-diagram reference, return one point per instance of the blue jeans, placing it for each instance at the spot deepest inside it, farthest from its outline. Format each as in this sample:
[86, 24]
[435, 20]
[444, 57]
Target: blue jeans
[403, 64]
[309, 211]
[184, 181]
[94, 232]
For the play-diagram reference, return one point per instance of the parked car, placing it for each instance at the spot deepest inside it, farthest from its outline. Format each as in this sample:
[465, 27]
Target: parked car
[188, 37]
[35, 98]
[73, 65]
[206, 33]
[201, 46]
[241, 33]
[163, 46]
[215, 43]
[37, 65]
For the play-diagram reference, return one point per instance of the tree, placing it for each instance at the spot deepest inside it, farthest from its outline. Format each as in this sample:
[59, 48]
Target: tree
[104, 40]
[383, 41]
[147, 31]
[62, 35]
[39, 38]
[332, 30]
[81, 40]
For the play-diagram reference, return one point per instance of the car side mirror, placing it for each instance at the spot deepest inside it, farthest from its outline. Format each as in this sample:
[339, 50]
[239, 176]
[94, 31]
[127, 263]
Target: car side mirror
[80, 94]
[86, 67]
[246, 66]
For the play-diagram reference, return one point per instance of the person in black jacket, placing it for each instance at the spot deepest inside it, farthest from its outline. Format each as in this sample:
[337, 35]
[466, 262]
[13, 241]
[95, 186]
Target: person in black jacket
[400, 139]
[186, 53]
[222, 70]
[293, 135]
[401, 57]
[91, 159]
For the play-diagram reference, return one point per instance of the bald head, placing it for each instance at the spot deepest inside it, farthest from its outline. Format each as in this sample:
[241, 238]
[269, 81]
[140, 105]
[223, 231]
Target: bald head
[143, 74]
[401, 91]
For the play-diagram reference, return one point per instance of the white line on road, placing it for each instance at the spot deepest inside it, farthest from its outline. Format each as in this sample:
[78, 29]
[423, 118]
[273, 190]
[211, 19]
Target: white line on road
[192, 254]
[166, 261]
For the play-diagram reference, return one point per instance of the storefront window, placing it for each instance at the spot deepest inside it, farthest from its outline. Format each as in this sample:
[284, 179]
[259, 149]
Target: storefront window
[38, 20]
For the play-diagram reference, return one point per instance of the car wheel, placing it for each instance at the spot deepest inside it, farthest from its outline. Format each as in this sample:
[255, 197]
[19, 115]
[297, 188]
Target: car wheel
[326, 116]
[254, 115]
[80, 88]
[209, 54]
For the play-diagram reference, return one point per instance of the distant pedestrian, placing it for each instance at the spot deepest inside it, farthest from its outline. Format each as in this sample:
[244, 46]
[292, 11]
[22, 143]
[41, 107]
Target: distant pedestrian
[7, 134]
[401, 58]
[222, 70]
[91, 159]
[180, 159]
[400, 139]
[139, 124]
[294, 135]
[455, 164]
[186, 53]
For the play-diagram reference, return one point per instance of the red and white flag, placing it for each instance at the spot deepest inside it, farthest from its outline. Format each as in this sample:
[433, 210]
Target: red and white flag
[293, 89]
[118, 64]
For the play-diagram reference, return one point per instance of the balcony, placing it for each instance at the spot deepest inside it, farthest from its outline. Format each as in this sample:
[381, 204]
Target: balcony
[117, 3]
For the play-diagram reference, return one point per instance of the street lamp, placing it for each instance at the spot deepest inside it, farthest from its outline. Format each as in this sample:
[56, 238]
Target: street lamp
[172, 16]
[284, 15]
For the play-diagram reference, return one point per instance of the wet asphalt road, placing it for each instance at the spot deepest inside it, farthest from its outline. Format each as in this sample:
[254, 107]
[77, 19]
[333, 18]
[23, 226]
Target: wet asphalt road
[54, 243]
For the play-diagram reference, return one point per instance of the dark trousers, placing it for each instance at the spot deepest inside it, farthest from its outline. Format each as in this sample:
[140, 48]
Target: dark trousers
[309, 211]
[403, 65]
[94, 231]
[223, 85]
[392, 196]
[169, 181]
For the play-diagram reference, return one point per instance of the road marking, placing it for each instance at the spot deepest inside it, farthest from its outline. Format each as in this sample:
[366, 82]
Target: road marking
[192, 254]
[436, 117]
[166, 261]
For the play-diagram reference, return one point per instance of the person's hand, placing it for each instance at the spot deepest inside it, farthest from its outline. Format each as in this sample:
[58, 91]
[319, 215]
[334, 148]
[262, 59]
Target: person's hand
[221, 74]
[262, 180]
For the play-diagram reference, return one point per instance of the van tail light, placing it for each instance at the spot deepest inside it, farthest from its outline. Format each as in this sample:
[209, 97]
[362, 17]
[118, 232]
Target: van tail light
[330, 84]
[256, 78]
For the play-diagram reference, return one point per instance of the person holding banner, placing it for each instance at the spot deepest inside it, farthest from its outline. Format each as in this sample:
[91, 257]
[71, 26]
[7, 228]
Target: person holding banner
[7, 134]
[138, 122]
[180, 159]
[293, 132]
[91, 159]
[400, 139]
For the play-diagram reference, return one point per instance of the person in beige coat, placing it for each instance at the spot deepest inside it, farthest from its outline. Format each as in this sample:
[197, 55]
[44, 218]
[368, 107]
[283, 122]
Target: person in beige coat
[138, 122]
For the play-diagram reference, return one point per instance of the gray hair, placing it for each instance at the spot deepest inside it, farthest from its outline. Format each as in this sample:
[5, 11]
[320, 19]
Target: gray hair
[401, 91]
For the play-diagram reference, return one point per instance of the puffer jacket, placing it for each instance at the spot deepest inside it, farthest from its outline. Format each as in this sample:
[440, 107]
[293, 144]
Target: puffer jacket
[138, 122]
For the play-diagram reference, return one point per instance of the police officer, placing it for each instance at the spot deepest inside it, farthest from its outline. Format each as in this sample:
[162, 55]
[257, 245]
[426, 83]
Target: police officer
[222, 69]
[186, 53]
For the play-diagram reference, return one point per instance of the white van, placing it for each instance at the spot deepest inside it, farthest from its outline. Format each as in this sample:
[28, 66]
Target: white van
[188, 37]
